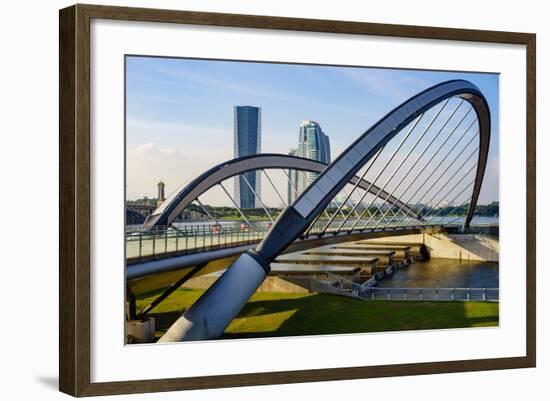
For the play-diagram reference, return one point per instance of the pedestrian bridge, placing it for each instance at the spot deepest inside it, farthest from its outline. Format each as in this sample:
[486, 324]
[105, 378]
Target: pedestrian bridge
[418, 169]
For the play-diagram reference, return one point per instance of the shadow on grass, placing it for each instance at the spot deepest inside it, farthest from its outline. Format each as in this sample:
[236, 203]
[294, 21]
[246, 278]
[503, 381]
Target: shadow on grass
[283, 314]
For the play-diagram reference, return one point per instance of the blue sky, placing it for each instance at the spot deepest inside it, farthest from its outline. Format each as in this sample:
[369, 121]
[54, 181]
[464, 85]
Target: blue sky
[180, 112]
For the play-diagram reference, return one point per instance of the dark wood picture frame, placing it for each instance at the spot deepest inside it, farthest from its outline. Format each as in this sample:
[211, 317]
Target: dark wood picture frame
[74, 202]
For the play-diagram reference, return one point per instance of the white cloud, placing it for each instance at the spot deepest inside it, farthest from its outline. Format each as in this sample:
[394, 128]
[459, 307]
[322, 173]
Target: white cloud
[148, 163]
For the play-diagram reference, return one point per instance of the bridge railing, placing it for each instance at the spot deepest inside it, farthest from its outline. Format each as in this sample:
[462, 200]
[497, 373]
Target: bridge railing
[173, 240]
[166, 241]
[382, 222]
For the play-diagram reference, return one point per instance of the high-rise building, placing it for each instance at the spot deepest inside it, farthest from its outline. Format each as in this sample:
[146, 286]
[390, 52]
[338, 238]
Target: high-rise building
[247, 135]
[312, 144]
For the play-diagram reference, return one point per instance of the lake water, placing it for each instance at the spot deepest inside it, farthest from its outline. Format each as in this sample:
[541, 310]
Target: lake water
[444, 273]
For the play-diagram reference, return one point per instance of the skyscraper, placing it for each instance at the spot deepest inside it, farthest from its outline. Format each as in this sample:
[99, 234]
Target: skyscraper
[247, 136]
[312, 144]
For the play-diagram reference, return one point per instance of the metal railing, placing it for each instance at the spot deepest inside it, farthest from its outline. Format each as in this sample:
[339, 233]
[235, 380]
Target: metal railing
[345, 284]
[376, 224]
[368, 292]
[166, 241]
[430, 294]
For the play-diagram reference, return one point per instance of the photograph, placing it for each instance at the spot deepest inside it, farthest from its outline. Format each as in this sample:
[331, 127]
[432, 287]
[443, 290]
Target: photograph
[277, 199]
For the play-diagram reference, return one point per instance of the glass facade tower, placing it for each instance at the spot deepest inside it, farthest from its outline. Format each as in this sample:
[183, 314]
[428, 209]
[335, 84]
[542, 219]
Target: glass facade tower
[313, 144]
[247, 141]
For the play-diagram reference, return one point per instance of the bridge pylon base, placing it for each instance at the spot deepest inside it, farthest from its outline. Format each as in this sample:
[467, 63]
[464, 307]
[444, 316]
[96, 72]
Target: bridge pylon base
[208, 317]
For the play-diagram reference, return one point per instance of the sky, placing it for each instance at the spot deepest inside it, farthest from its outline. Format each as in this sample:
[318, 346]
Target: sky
[179, 113]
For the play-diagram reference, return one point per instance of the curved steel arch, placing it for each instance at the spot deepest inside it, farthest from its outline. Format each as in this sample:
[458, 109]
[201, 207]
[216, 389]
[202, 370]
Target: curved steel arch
[179, 200]
[213, 311]
[296, 218]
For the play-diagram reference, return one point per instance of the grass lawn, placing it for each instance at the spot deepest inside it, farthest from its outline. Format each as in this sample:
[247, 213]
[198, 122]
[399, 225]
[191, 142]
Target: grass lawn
[285, 314]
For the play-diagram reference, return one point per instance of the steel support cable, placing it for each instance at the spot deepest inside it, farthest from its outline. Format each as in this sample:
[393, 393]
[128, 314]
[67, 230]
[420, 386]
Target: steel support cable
[314, 222]
[428, 162]
[446, 183]
[257, 197]
[291, 183]
[370, 164]
[327, 214]
[275, 188]
[405, 159]
[400, 215]
[444, 172]
[456, 208]
[458, 195]
[417, 121]
[410, 169]
[207, 212]
[355, 187]
[387, 181]
[393, 213]
[237, 206]
[436, 181]
[339, 207]
[348, 197]
[391, 159]
[441, 162]
[452, 189]
[467, 201]
[366, 191]
[312, 225]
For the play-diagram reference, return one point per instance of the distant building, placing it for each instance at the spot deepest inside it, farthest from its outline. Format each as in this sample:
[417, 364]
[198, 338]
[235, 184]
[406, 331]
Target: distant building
[160, 193]
[313, 144]
[137, 210]
[247, 137]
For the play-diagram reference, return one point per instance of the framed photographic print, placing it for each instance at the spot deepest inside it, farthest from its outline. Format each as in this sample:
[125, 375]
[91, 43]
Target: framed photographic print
[250, 200]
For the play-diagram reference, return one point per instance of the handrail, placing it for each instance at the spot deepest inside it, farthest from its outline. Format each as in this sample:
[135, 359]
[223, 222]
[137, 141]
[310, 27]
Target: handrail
[165, 241]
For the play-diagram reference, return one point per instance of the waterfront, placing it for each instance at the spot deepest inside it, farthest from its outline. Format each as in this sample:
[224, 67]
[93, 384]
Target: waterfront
[444, 273]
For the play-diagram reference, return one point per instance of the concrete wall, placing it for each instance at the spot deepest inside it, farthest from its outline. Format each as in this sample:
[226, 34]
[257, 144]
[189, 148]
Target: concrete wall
[293, 285]
[296, 285]
[270, 284]
[453, 246]
[140, 331]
